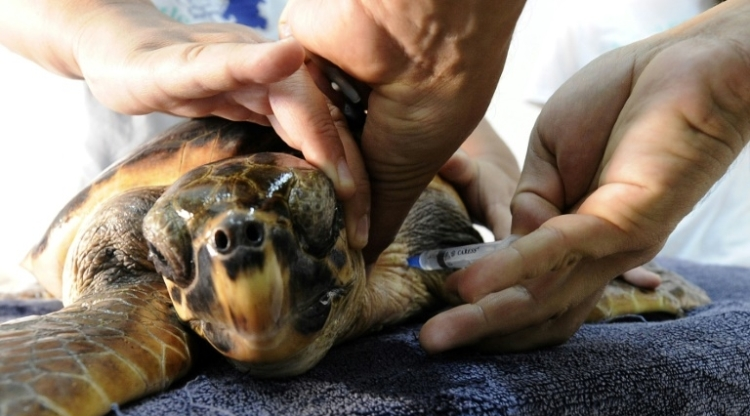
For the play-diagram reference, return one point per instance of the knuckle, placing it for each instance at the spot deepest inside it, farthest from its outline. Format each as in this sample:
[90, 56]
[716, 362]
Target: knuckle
[193, 52]
[468, 291]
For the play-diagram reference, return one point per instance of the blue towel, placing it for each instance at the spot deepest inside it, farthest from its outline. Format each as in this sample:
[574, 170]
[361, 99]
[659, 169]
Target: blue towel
[697, 365]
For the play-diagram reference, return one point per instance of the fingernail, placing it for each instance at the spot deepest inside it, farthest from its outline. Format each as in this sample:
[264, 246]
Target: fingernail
[287, 39]
[346, 179]
[285, 31]
[362, 234]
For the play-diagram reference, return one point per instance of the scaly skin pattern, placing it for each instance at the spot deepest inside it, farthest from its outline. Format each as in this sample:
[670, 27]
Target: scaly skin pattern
[393, 291]
[674, 296]
[106, 348]
[250, 252]
[118, 337]
[158, 163]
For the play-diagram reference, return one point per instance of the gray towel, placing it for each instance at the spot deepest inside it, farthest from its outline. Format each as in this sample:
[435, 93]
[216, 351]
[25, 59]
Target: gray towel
[698, 365]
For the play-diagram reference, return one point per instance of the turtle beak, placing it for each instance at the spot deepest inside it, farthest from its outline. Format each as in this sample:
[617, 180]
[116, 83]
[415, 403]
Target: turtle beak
[251, 321]
[247, 277]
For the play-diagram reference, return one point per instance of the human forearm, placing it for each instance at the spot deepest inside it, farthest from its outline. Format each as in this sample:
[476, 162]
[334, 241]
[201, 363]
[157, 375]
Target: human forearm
[136, 60]
[49, 32]
[619, 154]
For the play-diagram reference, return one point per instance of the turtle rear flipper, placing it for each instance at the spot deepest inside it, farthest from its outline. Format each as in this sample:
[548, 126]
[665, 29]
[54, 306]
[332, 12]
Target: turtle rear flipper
[106, 348]
[673, 297]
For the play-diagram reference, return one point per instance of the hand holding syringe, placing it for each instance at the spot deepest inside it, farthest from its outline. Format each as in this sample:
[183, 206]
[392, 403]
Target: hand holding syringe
[457, 257]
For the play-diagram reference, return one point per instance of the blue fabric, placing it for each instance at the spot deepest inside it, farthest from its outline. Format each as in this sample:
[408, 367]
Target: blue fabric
[246, 12]
[261, 15]
[697, 365]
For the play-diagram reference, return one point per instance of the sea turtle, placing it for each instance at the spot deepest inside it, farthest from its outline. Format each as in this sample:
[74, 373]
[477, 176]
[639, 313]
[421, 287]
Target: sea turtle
[218, 227]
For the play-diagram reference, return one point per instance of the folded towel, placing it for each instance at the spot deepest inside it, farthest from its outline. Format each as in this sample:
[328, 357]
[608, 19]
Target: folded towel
[697, 365]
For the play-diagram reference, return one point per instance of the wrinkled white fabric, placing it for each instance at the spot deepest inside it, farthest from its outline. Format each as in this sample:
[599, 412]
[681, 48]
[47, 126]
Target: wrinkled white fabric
[582, 30]
[718, 229]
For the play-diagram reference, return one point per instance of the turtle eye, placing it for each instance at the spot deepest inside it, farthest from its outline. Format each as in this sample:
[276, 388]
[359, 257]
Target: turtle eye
[315, 212]
[169, 242]
[181, 276]
[160, 262]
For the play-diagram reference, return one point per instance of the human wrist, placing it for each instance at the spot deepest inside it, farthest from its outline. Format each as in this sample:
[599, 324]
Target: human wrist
[50, 32]
[726, 32]
[113, 31]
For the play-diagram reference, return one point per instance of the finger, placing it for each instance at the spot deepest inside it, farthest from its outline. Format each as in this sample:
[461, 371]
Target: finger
[537, 277]
[228, 66]
[642, 277]
[463, 173]
[255, 98]
[568, 141]
[507, 313]
[262, 63]
[554, 247]
[301, 19]
[249, 104]
[173, 74]
[499, 221]
[356, 205]
[458, 170]
[469, 323]
[492, 273]
[228, 106]
[356, 208]
[239, 113]
[549, 333]
[303, 118]
[499, 313]
[485, 189]
[529, 211]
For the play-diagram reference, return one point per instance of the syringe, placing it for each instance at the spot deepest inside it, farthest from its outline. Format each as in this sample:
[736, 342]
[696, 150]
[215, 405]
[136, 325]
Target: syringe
[457, 257]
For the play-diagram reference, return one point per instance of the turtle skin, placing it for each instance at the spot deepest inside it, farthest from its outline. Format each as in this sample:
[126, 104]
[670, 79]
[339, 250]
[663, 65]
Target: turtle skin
[216, 228]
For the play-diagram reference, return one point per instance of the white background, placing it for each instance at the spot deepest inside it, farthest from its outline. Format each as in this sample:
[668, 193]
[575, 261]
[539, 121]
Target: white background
[44, 124]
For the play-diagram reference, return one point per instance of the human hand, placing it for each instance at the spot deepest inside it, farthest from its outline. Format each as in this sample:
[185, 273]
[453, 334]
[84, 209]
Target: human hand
[485, 173]
[618, 156]
[432, 69]
[136, 60]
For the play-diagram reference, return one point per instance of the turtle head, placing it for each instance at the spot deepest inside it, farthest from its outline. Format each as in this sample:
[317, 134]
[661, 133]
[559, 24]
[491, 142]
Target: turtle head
[254, 255]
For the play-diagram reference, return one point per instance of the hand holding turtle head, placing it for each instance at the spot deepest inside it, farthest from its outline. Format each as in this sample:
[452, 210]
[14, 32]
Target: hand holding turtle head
[432, 70]
[618, 156]
[137, 60]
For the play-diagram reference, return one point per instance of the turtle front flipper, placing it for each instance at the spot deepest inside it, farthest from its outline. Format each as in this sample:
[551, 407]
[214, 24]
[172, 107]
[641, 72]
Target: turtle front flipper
[118, 337]
[394, 291]
[105, 348]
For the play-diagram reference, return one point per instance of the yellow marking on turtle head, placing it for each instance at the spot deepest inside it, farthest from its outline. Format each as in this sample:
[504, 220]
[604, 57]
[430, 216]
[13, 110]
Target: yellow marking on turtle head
[252, 297]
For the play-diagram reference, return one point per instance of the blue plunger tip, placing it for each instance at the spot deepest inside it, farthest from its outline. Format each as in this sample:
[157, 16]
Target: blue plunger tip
[413, 262]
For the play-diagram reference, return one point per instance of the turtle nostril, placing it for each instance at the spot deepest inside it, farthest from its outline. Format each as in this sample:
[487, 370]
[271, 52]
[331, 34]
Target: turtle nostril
[234, 235]
[221, 241]
[254, 233]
